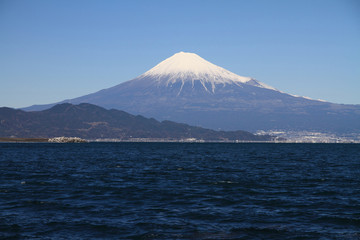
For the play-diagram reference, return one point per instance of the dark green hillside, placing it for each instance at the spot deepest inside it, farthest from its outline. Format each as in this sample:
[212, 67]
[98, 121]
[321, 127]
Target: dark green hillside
[91, 122]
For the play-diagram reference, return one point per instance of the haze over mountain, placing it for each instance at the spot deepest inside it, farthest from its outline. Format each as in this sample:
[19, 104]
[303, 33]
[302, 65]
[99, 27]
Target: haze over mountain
[92, 122]
[187, 88]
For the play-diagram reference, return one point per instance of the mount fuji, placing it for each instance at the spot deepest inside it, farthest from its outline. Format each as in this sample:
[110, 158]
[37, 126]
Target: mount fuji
[187, 88]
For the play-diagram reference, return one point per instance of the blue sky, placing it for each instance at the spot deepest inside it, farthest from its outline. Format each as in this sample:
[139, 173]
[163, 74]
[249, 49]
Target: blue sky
[56, 50]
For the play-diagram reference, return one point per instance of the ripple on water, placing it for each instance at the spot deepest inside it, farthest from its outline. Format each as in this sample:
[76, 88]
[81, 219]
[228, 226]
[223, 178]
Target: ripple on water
[180, 191]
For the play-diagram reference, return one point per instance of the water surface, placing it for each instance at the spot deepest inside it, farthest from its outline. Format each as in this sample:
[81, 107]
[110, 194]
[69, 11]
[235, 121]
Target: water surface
[179, 191]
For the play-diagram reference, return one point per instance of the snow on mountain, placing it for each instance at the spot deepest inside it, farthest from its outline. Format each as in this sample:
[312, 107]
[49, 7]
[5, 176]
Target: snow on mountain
[186, 67]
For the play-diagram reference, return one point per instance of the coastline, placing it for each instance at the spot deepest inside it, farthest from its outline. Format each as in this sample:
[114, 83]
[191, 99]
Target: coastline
[20, 140]
[157, 140]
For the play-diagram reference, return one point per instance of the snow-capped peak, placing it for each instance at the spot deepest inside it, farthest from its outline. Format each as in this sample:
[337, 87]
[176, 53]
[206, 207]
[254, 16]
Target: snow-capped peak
[184, 66]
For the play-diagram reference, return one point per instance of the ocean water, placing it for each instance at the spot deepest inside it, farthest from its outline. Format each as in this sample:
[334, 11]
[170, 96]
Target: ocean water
[179, 191]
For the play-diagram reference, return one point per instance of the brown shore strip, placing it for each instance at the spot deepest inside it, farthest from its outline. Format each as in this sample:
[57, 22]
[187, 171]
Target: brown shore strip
[7, 139]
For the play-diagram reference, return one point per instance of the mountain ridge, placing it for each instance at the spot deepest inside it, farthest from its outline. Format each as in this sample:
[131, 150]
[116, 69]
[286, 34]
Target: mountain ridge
[91, 122]
[212, 97]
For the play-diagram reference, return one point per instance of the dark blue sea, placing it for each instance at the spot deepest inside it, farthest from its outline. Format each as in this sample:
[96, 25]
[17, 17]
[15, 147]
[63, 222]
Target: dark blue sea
[179, 191]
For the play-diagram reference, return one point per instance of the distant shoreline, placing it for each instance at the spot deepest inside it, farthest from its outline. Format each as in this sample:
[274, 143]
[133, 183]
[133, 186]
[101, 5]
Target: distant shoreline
[8, 139]
[145, 140]
[46, 140]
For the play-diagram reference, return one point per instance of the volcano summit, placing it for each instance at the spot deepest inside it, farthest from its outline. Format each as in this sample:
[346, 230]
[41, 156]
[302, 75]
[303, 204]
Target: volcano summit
[187, 88]
[189, 68]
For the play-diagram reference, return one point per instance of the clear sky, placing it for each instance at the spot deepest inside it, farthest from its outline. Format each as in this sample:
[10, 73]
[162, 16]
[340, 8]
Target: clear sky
[55, 50]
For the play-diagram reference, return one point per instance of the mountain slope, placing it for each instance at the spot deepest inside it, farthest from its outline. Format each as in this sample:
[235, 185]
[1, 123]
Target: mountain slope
[186, 88]
[90, 121]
